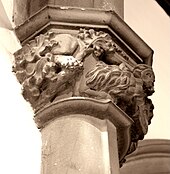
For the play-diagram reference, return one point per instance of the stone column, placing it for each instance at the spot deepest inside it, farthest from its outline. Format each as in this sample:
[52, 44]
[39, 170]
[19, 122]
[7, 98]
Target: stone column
[151, 156]
[87, 76]
[82, 136]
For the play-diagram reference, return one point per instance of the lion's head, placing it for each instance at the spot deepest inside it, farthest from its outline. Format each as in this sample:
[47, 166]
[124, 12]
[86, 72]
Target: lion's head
[146, 73]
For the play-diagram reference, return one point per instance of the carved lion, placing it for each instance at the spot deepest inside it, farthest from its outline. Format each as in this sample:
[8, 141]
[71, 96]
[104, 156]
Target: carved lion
[119, 83]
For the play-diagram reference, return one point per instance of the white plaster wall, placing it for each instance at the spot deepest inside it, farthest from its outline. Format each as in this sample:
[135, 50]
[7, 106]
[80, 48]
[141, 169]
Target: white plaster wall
[20, 139]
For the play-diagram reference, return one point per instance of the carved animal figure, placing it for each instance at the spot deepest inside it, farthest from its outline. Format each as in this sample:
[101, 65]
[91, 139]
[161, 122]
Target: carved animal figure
[120, 82]
[126, 88]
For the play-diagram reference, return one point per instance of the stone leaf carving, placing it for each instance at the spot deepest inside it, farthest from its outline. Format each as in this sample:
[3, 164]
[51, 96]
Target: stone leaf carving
[104, 48]
[46, 67]
[50, 65]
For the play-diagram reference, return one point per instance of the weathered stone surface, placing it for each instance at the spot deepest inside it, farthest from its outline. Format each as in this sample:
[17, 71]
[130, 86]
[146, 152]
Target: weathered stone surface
[103, 110]
[82, 66]
[70, 19]
[52, 64]
[88, 64]
[78, 144]
[117, 6]
[24, 9]
[99, 117]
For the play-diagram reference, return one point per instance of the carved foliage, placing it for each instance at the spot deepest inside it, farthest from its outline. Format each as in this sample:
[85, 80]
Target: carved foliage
[46, 66]
[52, 65]
[103, 46]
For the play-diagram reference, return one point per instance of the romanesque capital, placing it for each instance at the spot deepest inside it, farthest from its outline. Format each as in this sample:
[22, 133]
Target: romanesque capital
[88, 64]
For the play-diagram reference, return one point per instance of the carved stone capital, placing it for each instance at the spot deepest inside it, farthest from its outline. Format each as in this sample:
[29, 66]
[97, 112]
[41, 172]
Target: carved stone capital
[88, 64]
